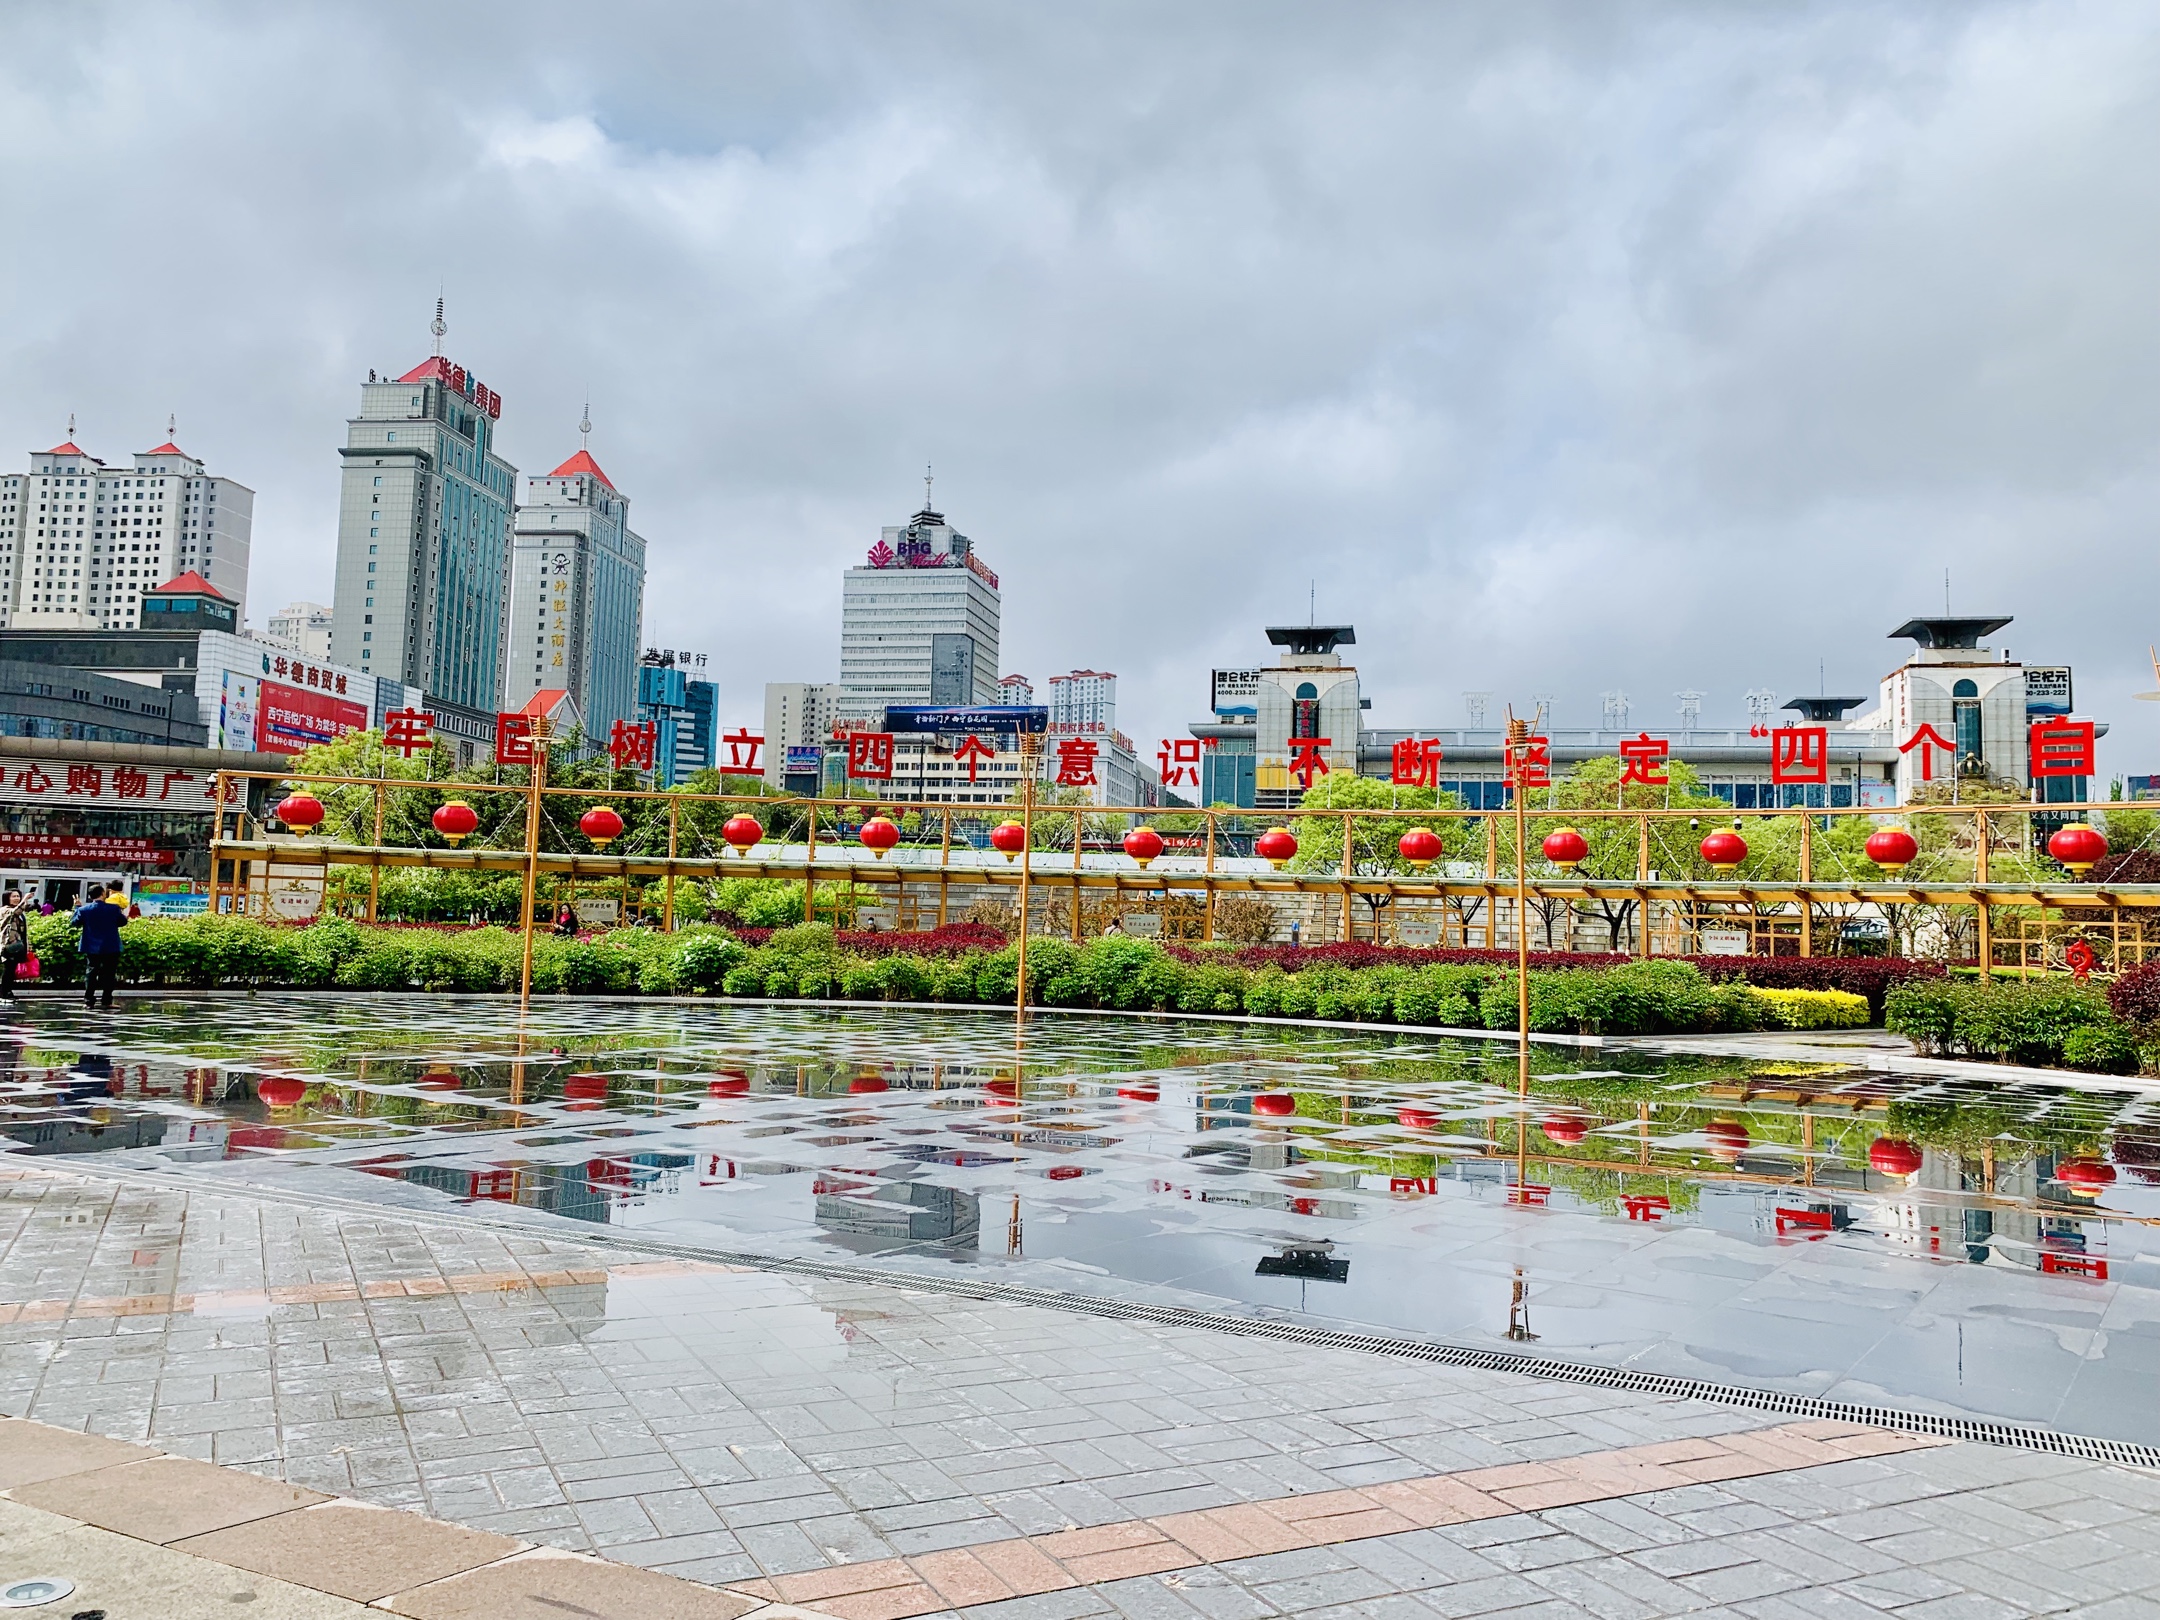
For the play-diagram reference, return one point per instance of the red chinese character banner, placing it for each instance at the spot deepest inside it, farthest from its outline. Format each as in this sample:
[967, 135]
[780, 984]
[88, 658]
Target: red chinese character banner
[1180, 759]
[1076, 761]
[2061, 748]
[1529, 762]
[870, 755]
[513, 739]
[1930, 742]
[742, 752]
[1800, 754]
[1415, 762]
[291, 719]
[972, 752]
[630, 745]
[1305, 760]
[118, 787]
[412, 731]
[1642, 759]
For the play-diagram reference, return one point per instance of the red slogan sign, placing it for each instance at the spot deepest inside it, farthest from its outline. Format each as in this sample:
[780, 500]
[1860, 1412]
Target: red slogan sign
[95, 851]
[293, 719]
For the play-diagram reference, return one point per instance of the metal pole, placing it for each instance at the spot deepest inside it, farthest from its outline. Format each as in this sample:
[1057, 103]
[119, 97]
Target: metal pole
[1642, 898]
[1207, 920]
[809, 881]
[667, 918]
[536, 774]
[1807, 876]
[1492, 890]
[1029, 748]
[374, 887]
[1079, 837]
[1347, 864]
[944, 881]
[217, 836]
[1517, 731]
[1980, 876]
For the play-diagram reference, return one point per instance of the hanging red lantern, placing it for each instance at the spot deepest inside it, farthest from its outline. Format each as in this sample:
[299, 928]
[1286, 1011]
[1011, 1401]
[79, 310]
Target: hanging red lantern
[730, 1085]
[1724, 851]
[1566, 848]
[1565, 1129]
[743, 833]
[455, 821]
[2087, 1178]
[1274, 1102]
[602, 825]
[280, 1091]
[1893, 1156]
[1143, 844]
[302, 812]
[867, 1085]
[2078, 847]
[1004, 1086]
[1008, 838]
[878, 835]
[1141, 1092]
[1276, 847]
[1416, 1118]
[439, 1078]
[1420, 846]
[1892, 849]
[1728, 1140]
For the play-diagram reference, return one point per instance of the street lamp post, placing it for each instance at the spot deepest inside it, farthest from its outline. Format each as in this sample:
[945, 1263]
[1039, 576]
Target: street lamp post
[537, 772]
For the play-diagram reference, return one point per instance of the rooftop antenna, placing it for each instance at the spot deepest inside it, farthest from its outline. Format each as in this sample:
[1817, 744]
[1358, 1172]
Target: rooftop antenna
[1690, 710]
[1616, 710]
[1946, 593]
[172, 426]
[1312, 597]
[71, 427]
[1761, 703]
[438, 326]
[927, 481]
[1821, 689]
[584, 426]
[1475, 703]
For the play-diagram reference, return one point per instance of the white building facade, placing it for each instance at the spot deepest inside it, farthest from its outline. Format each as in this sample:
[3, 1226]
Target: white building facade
[799, 715]
[918, 622]
[303, 625]
[80, 541]
[424, 536]
[577, 596]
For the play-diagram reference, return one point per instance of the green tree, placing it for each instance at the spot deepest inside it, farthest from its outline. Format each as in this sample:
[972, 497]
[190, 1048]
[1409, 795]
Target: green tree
[1374, 840]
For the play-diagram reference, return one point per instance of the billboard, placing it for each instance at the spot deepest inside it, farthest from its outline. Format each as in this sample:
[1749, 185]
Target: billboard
[1234, 691]
[292, 719]
[2047, 689]
[803, 759]
[952, 667]
[237, 695]
[1033, 718]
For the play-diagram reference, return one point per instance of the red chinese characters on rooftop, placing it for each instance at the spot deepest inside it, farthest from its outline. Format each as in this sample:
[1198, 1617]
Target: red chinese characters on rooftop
[870, 755]
[412, 731]
[2061, 748]
[1180, 759]
[1076, 761]
[743, 746]
[1415, 762]
[630, 744]
[1800, 754]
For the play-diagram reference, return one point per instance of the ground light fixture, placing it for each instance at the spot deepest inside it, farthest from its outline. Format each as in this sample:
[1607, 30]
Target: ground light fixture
[602, 825]
[303, 812]
[455, 821]
[35, 1592]
[743, 834]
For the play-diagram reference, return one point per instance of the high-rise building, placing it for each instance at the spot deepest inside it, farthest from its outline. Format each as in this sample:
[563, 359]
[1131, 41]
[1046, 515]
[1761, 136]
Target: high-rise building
[799, 719]
[1016, 690]
[577, 601]
[424, 524]
[80, 542]
[1083, 704]
[305, 625]
[918, 622]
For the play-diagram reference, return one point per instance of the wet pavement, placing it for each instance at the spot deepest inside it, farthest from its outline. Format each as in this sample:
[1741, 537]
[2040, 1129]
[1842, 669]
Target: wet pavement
[1829, 1227]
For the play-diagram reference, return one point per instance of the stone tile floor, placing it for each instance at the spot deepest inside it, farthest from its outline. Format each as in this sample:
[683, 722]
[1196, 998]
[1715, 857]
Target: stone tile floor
[751, 1429]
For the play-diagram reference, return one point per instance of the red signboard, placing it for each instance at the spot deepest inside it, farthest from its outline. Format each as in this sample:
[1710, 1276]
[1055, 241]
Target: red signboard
[16, 848]
[292, 719]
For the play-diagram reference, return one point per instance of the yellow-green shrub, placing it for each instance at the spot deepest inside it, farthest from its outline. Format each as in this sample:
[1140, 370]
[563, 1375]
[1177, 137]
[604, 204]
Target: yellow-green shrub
[1813, 1009]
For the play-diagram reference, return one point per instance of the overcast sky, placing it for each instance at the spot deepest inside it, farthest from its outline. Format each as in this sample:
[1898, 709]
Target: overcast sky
[1563, 348]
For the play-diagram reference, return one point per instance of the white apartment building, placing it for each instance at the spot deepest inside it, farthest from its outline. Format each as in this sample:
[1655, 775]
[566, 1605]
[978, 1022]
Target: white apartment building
[1017, 690]
[577, 596]
[1083, 704]
[799, 715]
[305, 625]
[80, 541]
[918, 622]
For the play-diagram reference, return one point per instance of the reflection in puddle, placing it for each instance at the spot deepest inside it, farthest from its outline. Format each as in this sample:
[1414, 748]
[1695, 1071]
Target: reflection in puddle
[1814, 1225]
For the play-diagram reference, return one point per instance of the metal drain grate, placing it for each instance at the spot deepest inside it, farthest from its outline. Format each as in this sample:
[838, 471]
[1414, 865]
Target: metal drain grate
[2025, 1437]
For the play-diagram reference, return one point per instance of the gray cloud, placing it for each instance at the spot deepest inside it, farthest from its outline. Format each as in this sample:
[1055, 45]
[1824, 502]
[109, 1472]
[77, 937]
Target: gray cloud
[1565, 347]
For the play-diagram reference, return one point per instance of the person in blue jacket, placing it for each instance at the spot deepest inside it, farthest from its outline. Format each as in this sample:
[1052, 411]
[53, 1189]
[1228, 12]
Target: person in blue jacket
[100, 922]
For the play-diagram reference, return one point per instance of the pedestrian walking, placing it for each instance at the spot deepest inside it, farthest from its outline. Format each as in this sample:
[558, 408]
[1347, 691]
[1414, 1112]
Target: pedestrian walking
[14, 942]
[100, 922]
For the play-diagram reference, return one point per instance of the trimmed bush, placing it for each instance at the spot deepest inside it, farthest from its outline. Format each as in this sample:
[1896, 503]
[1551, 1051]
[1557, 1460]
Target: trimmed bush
[1812, 1009]
[2028, 1021]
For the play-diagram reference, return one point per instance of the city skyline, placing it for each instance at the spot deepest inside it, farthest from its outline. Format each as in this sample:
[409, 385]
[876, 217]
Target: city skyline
[1648, 357]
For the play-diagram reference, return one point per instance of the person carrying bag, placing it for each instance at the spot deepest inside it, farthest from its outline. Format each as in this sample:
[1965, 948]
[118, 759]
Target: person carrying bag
[16, 962]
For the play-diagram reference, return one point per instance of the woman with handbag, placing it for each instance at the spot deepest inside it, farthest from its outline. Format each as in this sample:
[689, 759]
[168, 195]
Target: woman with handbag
[14, 942]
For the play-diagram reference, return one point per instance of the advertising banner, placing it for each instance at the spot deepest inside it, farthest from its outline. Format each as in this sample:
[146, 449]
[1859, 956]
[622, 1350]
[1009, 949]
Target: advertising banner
[238, 702]
[104, 787]
[1233, 691]
[1007, 717]
[2047, 690]
[293, 719]
[21, 848]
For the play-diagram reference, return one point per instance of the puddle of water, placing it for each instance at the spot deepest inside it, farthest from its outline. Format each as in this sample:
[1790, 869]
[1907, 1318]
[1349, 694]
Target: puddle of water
[1865, 1235]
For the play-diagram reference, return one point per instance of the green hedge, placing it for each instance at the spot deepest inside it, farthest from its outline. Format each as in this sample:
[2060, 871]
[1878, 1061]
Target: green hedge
[805, 961]
[2054, 1022]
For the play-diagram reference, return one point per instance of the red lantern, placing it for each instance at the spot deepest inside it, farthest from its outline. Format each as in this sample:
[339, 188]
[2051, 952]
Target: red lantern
[1728, 1140]
[300, 811]
[602, 825]
[1140, 1093]
[1892, 849]
[1566, 848]
[280, 1091]
[1008, 838]
[1276, 847]
[878, 835]
[730, 1085]
[1564, 1129]
[1416, 1118]
[743, 834]
[439, 1078]
[1724, 851]
[2077, 846]
[1143, 844]
[455, 821]
[1274, 1102]
[867, 1085]
[1420, 846]
[1065, 1172]
[1893, 1156]
[1004, 1086]
[2087, 1178]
